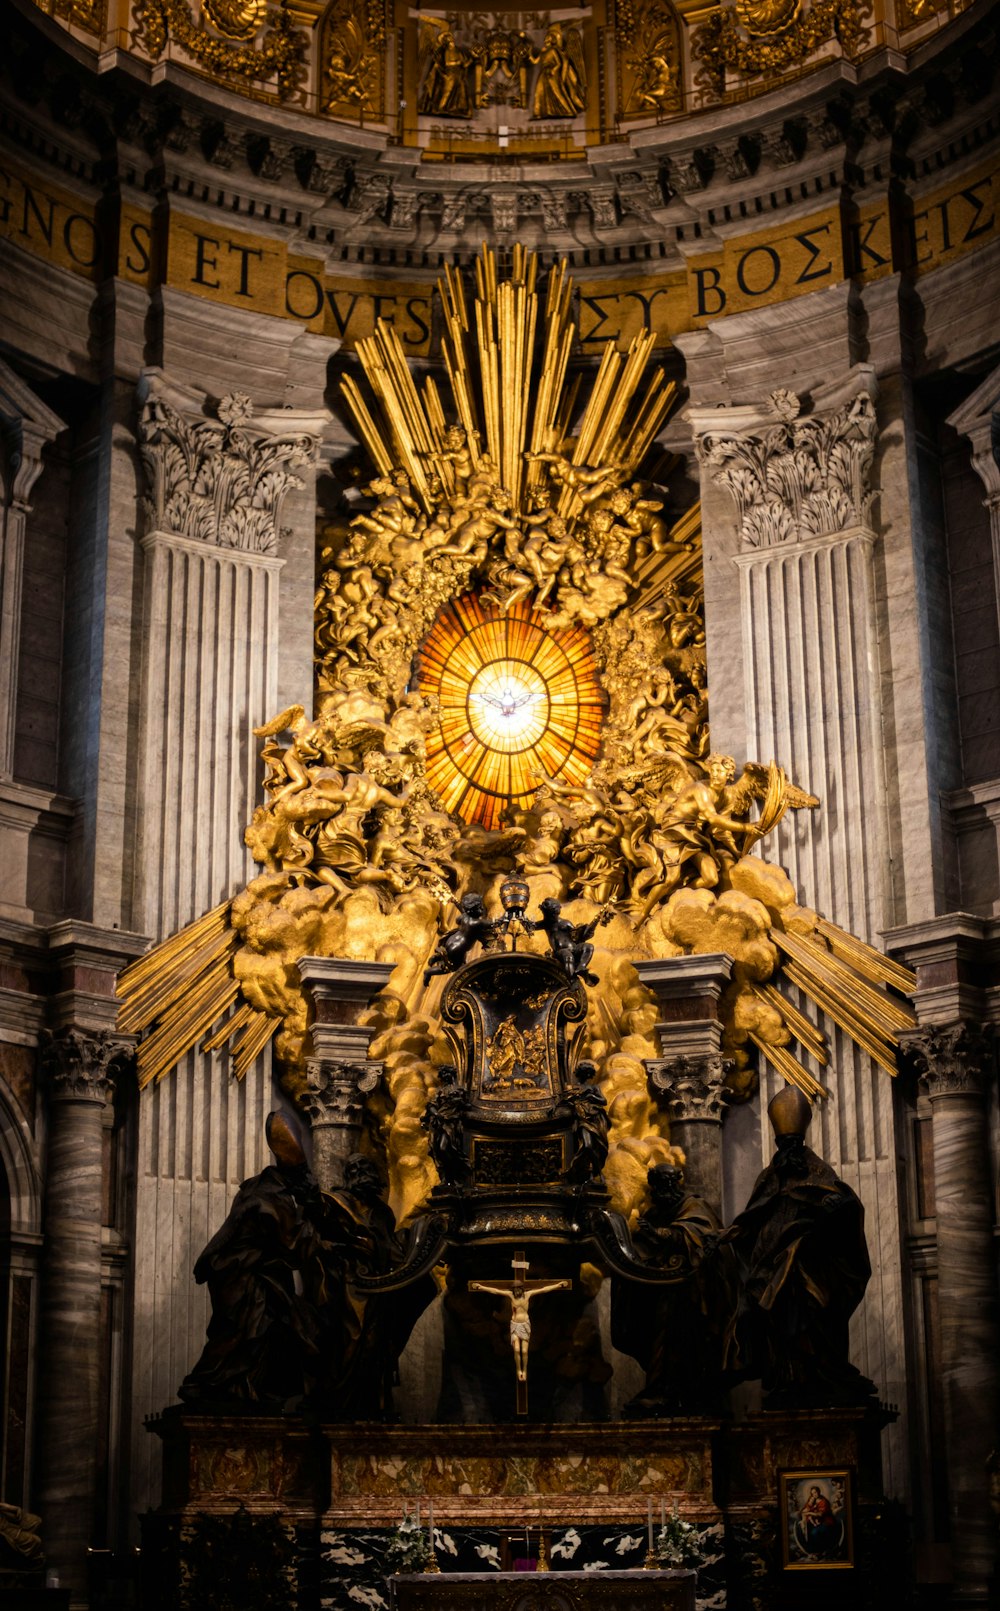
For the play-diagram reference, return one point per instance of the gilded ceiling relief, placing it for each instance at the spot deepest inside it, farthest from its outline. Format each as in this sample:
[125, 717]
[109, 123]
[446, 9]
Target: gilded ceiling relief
[530, 63]
[648, 59]
[239, 41]
[772, 38]
[514, 81]
[353, 59]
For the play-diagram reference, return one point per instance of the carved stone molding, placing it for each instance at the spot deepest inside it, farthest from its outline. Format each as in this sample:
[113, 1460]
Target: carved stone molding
[26, 426]
[951, 1059]
[82, 1067]
[800, 478]
[690, 1087]
[335, 1092]
[218, 481]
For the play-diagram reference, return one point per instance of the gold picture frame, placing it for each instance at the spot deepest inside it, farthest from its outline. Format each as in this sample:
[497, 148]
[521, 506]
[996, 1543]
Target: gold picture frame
[817, 1520]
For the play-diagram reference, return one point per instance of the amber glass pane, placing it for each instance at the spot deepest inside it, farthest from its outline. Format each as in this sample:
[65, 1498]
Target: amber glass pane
[517, 703]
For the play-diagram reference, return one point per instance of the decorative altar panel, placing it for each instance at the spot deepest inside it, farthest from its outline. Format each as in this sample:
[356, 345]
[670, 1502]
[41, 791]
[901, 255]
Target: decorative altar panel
[563, 1591]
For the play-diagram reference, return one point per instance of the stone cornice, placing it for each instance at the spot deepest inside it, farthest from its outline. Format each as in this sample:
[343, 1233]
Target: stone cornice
[956, 958]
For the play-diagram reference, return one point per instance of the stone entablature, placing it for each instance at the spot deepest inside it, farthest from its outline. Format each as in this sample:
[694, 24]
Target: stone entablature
[672, 225]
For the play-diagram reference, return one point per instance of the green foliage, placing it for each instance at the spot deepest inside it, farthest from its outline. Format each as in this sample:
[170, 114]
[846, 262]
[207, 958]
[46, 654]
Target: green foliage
[409, 1548]
[677, 1543]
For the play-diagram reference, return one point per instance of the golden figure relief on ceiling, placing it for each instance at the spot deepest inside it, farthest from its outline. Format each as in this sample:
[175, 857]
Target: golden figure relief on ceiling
[514, 550]
[648, 54]
[618, 61]
[352, 57]
[468, 64]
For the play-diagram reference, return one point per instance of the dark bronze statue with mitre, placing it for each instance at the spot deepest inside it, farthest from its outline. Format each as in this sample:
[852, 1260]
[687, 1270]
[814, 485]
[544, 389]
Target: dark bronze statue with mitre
[804, 1265]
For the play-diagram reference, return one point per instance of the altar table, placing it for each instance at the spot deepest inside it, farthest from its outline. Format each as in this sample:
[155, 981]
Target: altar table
[544, 1591]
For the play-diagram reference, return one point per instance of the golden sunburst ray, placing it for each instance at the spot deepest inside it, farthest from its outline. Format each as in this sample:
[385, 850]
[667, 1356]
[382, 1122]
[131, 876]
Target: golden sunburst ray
[525, 405]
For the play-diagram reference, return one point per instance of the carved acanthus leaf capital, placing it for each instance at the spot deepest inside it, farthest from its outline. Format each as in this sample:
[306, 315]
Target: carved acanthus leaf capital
[220, 481]
[799, 478]
[951, 1059]
[81, 1066]
[335, 1092]
[690, 1086]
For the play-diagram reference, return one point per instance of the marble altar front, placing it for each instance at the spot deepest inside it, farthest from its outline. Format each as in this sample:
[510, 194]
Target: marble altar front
[567, 1591]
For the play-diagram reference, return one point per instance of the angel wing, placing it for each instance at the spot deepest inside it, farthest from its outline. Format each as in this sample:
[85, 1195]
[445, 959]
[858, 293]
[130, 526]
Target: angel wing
[289, 721]
[770, 786]
[573, 43]
[431, 29]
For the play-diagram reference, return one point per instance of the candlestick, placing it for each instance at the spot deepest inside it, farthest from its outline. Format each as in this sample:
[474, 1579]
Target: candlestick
[432, 1560]
[650, 1525]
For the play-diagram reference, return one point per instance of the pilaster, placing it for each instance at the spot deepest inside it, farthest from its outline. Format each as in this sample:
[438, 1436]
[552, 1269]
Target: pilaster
[979, 419]
[793, 551]
[219, 482]
[211, 635]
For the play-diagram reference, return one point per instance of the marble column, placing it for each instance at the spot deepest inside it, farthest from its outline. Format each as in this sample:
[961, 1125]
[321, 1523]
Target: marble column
[339, 1074]
[78, 1068]
[955, 1063]
[689, 1075]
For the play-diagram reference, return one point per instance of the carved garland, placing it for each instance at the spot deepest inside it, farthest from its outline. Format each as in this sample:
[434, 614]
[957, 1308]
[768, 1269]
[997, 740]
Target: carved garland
[280, 56]
[722, 43]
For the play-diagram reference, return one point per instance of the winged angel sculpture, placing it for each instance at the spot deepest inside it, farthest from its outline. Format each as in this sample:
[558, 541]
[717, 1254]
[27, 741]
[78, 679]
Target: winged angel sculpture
[522, 526]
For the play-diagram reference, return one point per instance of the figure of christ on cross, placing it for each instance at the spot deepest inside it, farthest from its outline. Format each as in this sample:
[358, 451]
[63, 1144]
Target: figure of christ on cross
[520, 1292]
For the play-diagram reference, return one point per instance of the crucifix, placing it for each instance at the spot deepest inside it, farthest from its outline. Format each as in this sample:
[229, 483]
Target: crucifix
[520, 1292]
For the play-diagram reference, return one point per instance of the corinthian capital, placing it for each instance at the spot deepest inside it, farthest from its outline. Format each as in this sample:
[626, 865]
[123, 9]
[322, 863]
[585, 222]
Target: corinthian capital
[80, 1066]
[691, 1086]
[951, 1059]
[335, 1092]
[797, 478]
[222, 480]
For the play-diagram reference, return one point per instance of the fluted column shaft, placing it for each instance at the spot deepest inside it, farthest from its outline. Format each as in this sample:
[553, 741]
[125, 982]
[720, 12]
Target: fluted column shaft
[955, 1066]
[79, 1070]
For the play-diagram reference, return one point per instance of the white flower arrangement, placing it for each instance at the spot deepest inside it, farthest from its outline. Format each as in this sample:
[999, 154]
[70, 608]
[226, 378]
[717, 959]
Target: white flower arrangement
[677, 1543]
[408, 1549]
